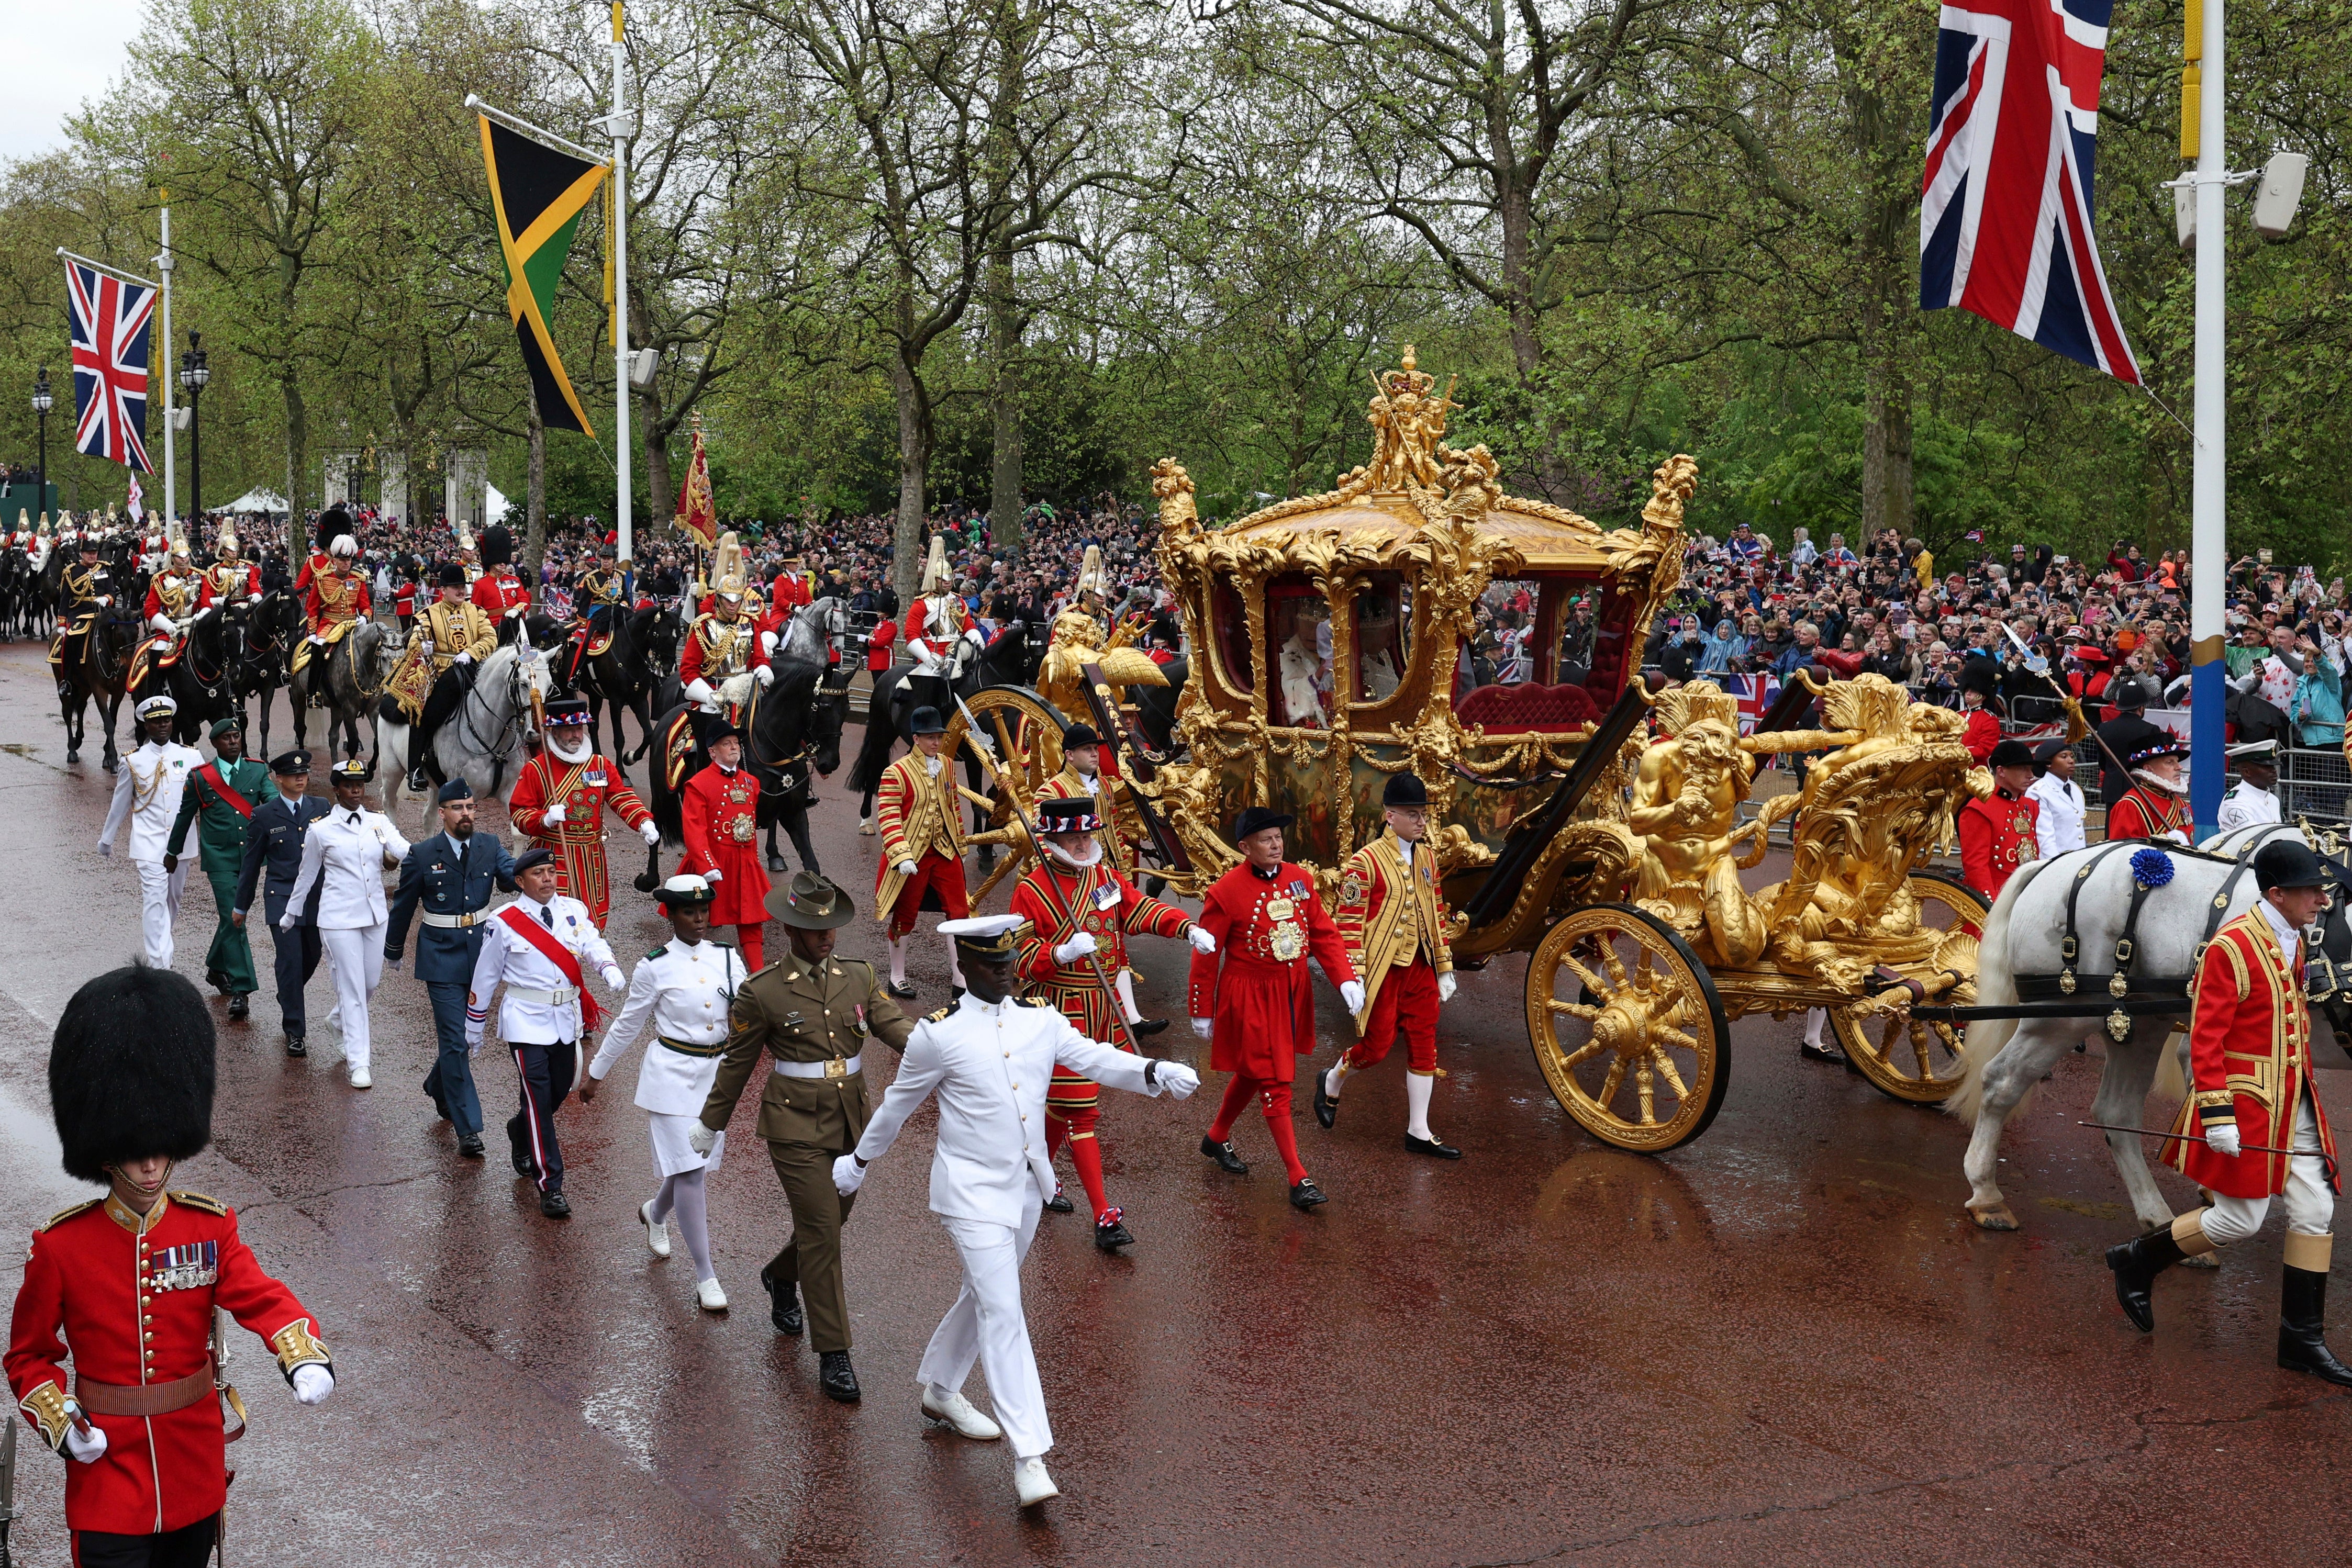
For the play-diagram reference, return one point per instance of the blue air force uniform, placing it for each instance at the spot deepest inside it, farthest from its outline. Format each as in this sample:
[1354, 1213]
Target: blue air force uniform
[273, 860]
[449, 882]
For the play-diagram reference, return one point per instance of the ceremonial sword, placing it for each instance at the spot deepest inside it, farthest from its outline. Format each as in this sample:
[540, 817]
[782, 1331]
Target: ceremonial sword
[2185, 1137]
[1037, 846]
[7, 1488]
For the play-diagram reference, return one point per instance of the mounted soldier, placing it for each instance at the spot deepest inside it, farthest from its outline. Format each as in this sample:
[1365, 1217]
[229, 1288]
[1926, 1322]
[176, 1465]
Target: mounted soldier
[85, 587]
[442, 658]
[498, 593]
[602, 600]
[936, 634]
[337, 598]
[176, 594]
[715, 668]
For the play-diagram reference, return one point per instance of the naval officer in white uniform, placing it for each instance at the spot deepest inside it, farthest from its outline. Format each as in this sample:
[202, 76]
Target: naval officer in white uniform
[345, 855]
[147, 795]
[990, 1060]
[2253, 800]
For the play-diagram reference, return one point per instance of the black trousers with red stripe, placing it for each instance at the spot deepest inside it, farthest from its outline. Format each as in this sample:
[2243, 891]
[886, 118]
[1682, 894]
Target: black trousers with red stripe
[546, 1070]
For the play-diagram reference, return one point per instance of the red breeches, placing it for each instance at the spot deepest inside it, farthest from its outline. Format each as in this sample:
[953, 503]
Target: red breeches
[1407, 1004]
[937, 873]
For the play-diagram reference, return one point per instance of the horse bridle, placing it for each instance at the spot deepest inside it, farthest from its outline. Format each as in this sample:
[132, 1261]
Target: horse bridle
[500, 747]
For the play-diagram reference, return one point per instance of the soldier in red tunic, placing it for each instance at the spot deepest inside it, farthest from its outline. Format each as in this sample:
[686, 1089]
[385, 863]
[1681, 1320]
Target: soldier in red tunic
[720, 812]
[127, 1285]
[2251, 1095]
[559, 801]
[1079, 907]
[1264, 919]
[1998, 832]
[2157, 805]
[498, 592]
[1981, 727]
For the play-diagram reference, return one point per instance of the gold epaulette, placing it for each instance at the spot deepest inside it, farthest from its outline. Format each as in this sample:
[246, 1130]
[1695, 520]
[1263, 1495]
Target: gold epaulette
[938, 1017]
[1038, 1002]
[199, 1201]
[64, 1214]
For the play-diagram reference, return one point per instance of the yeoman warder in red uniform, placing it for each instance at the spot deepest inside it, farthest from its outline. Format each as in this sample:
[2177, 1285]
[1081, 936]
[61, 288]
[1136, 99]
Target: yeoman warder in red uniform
[124, 1286]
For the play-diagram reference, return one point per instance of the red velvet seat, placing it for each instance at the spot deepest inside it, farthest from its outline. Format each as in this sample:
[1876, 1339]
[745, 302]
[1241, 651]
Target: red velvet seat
[1527, 707]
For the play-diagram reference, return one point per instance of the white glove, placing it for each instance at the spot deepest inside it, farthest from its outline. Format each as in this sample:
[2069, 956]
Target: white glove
[460, 659]
[907, 868]
[473, 1042]
[1176, 1078]
[652, 836]
[1352, 993]
[555, 814]
[312, 1384]
[2224, 1140]
[106, 848]
[1445, 987]
[764, 676]
[699, 1138]
[1076, 949]
[1201, 941]
[90, 1449]
[286, 921]
[615, 981]
[849, 1175]
[1205, 1028]
[975, 639]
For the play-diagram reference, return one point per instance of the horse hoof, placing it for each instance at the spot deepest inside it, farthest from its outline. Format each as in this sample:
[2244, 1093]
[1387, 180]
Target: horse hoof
[1997, 1218]
[73, 756]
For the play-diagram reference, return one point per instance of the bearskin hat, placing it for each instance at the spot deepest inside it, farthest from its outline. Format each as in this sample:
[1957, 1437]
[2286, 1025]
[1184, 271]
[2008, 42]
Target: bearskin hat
[498, 546]
[131, 1072]
[333, 524]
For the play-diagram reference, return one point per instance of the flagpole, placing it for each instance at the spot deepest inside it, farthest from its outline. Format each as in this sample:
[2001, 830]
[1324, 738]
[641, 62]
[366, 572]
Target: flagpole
[620, 128]
[163, 358]
[2210, 558]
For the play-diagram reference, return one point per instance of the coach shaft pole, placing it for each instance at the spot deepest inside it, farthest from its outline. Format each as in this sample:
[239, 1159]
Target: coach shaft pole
[2209, 488]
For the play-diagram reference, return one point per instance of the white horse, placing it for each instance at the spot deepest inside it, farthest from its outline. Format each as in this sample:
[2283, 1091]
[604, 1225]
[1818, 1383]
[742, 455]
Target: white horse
[2005, 1059]
[482, 741]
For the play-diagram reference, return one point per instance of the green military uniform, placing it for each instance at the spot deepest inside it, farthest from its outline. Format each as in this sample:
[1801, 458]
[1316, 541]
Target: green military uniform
[220, 844]
[814, 1020]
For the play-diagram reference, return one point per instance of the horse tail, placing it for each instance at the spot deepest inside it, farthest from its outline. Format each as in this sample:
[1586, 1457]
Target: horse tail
[1996, 986]
[874, 752]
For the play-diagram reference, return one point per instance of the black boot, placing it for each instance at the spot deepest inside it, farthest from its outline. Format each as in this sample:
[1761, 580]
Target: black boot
[2303, 1327]
[239, 1007]
[836, 1376]
[784, 1303]
[2136, 1263]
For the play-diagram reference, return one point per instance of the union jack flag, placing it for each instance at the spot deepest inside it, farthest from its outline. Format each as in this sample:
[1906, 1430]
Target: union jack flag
[1755, 695]
[111, 320]
[2005, 208]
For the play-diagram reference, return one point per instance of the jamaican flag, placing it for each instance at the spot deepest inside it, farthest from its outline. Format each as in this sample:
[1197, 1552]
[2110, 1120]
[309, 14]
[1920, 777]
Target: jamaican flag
[538, 194]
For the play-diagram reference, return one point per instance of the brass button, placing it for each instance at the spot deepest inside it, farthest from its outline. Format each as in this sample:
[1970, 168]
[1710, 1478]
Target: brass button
[147, 1317]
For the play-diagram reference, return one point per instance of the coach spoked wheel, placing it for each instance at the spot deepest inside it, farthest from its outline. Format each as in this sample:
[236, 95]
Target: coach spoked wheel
[1911, 1059]
[1024, 731]
[1627, 1028]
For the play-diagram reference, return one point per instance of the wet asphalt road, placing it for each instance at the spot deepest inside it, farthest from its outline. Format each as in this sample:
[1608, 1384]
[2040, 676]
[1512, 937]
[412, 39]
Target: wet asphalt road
[1782, 1343]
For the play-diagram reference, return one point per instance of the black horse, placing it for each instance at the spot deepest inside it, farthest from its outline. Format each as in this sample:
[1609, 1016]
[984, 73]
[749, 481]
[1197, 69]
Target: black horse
[1010, 661]
[200, 681]
[796, 738]
[273, 625]
[625, 675]
[96, 665]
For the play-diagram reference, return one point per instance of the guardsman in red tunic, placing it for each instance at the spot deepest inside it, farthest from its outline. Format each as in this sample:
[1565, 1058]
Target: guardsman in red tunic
[559, 801]
[2250, 1096]
[2157, 805]
[1392, 919]
[1981, 727]
[1998, 832]
[1079, 907]
[720, 811]
[498, 593]
[1259, 1006]
[923, 844]
[126, 1285]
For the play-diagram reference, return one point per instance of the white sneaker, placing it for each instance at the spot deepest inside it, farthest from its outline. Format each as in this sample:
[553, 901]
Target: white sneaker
[709, 1297]
[955, 1410]
[360, 1079]
[656, 1231]
[1031, 1481]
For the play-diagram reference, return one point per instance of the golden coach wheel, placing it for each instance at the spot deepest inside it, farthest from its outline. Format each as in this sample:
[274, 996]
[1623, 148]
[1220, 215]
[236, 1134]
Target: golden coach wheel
[1910, 1059]
[1024, 731]
[1628, 1028]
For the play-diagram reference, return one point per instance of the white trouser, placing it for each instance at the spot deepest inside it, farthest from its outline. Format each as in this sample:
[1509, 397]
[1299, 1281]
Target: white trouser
[2310, 1206]
[986, 1324]
[357, 954]
[159, 908]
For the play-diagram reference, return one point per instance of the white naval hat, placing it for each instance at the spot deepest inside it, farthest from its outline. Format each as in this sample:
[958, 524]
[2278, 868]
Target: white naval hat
[2255, 751]
[987, 935]
[158, 707]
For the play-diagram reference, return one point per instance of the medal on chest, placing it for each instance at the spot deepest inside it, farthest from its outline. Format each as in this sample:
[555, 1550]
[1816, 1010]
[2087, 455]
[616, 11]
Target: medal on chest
[183, 1268]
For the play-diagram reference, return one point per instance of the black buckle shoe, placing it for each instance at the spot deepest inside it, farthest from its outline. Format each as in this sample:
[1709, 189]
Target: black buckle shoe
[784, 1303]
[294, 1046]
[903, 992]
[1306, 1196]
[1432, 1147]
[1327, 1109]
[1142, 1028]
[1059, 1204]
[2303, 1327]
[239, 1009]
[1227, 1160]
[555, 1205]
[2136, 1263]
[1827, 1054]
[1110, 1234]
[836, 1376]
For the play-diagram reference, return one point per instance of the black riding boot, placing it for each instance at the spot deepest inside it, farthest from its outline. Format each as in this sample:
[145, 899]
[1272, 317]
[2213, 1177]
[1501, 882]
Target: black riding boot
[2136, 1263]
[2302, 1326]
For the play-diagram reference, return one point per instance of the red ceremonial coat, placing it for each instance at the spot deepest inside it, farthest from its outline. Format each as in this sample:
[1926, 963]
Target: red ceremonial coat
[1997, 836]
[498, 591]
[2143, 813]
[1981, 733]
[722, 811]
[788, 592]
[2250, 1062]
[584, 789]
[1099, 900]
[133, 1307]
[1263, 1003]
[878, 645]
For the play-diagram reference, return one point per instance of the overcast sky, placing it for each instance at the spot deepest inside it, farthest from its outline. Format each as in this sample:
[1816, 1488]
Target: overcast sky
[59, 56]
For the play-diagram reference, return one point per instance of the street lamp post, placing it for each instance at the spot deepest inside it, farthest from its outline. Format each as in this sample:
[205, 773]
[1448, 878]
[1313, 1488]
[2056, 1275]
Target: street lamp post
[42, 403]
[194, 374]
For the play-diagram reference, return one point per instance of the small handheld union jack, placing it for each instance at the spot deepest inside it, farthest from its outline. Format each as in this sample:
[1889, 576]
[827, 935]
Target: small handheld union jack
[111, 320]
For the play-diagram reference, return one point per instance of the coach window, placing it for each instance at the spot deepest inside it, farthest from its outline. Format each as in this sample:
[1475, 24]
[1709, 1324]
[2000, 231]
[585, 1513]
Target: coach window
[1229, 636]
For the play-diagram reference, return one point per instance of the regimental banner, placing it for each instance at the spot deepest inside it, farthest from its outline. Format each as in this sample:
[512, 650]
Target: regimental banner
[2006, 202]
[110, 321]
[698, 510]
[537, 196]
